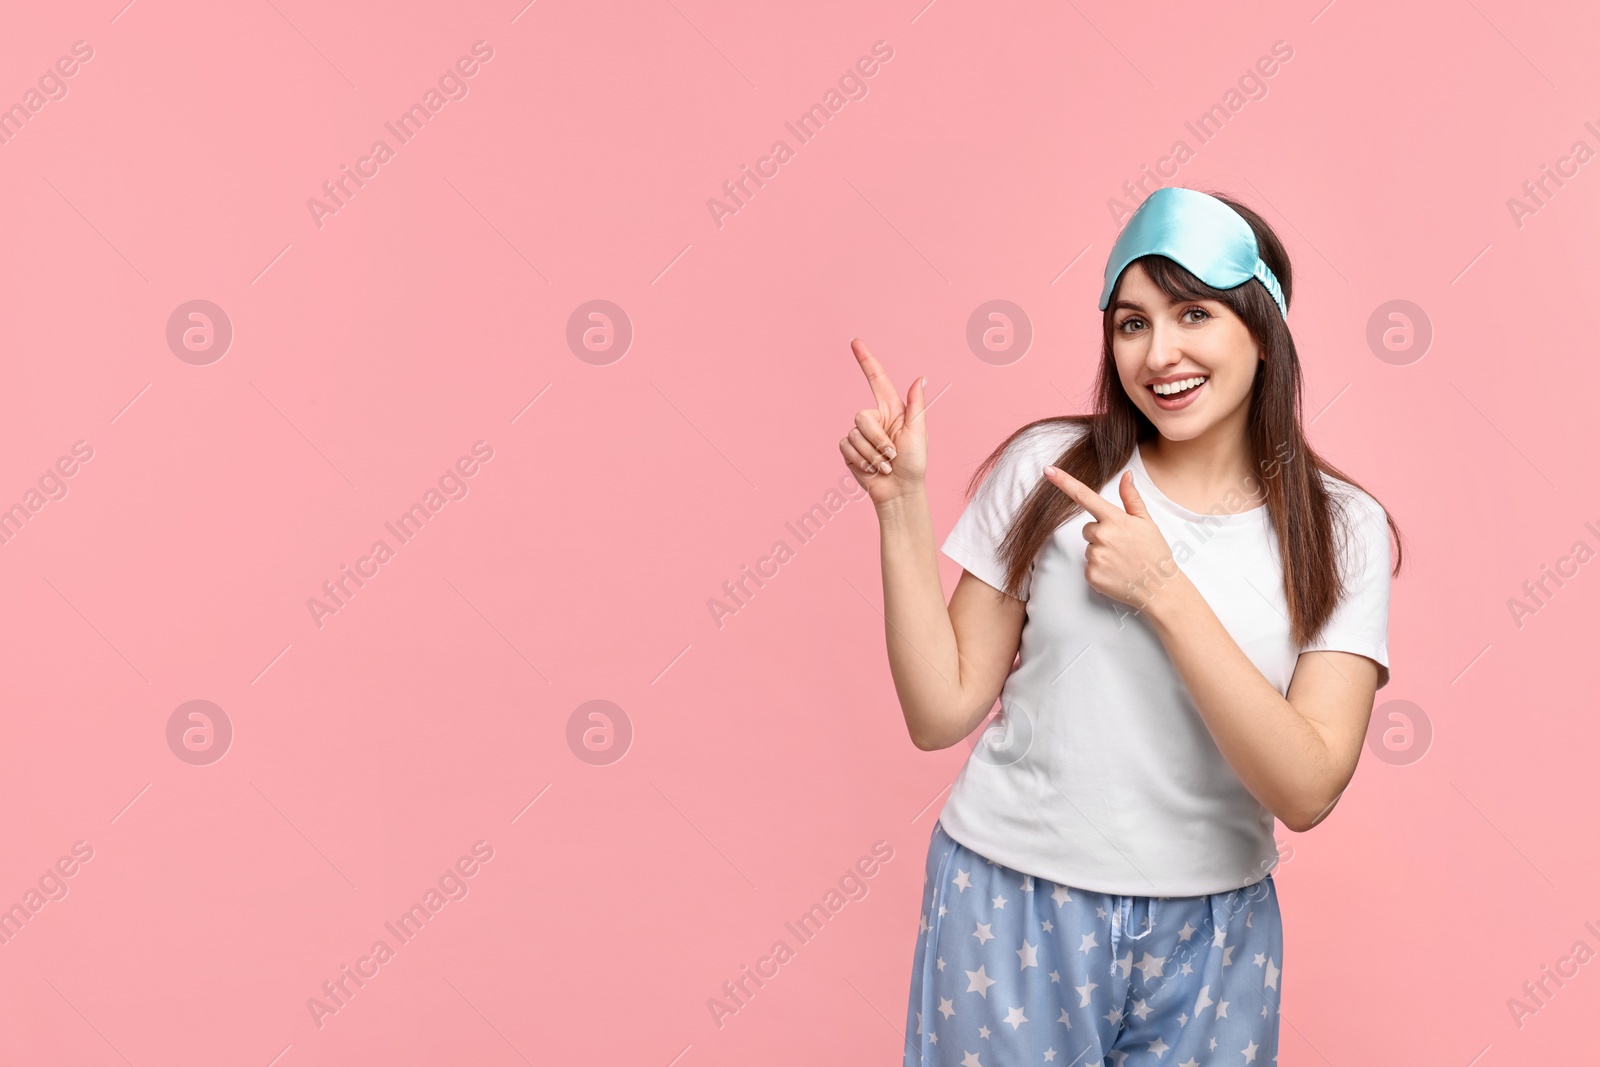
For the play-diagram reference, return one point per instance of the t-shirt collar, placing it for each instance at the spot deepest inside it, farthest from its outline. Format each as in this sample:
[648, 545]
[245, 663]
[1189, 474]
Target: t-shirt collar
[1147, 489]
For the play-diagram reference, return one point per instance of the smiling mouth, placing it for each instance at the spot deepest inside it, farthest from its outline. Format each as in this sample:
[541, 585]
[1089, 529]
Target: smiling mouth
[1194, 383]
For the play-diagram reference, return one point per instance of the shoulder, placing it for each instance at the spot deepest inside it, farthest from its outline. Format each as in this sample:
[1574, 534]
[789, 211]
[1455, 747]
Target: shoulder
[1359, 507]
[1360, 522]
[1017, 465]
[1044, 440]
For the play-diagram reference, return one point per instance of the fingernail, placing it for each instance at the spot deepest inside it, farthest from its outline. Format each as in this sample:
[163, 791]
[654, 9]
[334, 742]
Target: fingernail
[885, 468]
[889, 451]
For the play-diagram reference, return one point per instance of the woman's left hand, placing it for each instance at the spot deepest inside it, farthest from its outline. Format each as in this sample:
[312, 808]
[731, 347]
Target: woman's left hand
[1127, 558]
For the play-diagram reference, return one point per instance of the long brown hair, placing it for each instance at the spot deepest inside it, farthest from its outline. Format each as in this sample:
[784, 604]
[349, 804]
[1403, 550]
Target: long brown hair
[1302, 511]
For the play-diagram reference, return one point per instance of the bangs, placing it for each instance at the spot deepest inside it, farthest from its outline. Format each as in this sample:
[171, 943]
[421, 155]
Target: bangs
[1176, 281]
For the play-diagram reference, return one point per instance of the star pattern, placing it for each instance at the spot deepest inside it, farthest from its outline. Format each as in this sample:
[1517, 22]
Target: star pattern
[1156, 972]
[980, 983]
[1151, 963]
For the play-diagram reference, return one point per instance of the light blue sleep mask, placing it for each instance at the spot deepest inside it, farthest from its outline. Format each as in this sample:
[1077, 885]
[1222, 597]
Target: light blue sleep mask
[1200, 233]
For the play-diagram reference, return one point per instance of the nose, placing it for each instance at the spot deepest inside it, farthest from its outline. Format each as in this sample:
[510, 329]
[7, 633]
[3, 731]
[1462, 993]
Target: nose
[1166, 346]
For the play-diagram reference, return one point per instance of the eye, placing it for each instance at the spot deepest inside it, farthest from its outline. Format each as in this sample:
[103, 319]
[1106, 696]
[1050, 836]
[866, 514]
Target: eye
[1201, 310]
[1122, 326]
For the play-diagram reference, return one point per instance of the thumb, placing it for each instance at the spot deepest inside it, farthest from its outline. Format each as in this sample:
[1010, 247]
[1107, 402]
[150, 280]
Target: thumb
[1132, 502]
[916, 404]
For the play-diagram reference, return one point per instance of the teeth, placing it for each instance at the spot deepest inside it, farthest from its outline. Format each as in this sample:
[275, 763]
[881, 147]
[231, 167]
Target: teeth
[1177, 387]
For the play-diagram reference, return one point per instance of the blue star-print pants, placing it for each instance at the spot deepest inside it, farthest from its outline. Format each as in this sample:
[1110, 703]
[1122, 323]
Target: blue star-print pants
[1013, 971]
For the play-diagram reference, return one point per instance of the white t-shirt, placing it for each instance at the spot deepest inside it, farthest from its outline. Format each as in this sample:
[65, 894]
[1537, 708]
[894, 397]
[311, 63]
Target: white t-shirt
[1100, 773]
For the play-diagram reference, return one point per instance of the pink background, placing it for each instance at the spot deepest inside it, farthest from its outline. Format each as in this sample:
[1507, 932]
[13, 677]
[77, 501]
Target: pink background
[766, 755]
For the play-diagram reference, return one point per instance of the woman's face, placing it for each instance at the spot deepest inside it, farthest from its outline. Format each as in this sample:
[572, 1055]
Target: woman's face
[1158, 342]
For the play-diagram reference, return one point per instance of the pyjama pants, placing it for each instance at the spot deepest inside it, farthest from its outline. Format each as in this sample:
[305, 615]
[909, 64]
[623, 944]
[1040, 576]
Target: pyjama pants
[1013, 971]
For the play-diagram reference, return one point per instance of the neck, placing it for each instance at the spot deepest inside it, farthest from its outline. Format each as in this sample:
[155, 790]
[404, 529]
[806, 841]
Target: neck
[1205, 468]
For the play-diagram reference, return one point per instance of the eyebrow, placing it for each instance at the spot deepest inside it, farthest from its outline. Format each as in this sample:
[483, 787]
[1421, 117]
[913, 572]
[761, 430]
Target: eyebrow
[1134, 305]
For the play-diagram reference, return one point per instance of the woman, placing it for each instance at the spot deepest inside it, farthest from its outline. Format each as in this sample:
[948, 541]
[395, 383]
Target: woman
[1183, 611]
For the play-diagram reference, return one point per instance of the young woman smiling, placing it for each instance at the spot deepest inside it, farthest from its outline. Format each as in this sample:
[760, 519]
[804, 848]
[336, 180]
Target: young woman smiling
[1183, 611]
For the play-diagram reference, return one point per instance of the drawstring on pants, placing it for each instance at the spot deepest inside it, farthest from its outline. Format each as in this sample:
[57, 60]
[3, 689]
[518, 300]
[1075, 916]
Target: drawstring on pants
[1139, 907]
[1131, 913]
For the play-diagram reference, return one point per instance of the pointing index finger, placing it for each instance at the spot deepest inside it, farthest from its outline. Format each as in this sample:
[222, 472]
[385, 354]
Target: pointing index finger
[1091, 501]
[882, 388]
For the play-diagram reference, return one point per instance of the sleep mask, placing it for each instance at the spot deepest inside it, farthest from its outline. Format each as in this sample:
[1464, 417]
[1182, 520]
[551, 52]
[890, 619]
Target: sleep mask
[1200, 233]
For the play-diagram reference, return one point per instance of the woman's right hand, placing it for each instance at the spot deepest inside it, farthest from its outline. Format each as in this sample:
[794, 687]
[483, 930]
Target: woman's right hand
[887, 449]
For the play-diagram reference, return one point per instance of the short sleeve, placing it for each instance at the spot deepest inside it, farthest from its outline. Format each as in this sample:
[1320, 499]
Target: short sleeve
[974, 541]
[1360, 622]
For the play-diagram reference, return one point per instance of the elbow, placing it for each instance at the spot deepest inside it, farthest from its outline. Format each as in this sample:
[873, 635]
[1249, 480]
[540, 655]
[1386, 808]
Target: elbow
[943, 728]
[1303, 817]
[1317, 790]
[1297, 822]
[935, 734]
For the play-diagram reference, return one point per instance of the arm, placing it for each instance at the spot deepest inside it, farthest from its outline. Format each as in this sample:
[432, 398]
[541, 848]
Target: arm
[1294, 754]
[948, 665]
